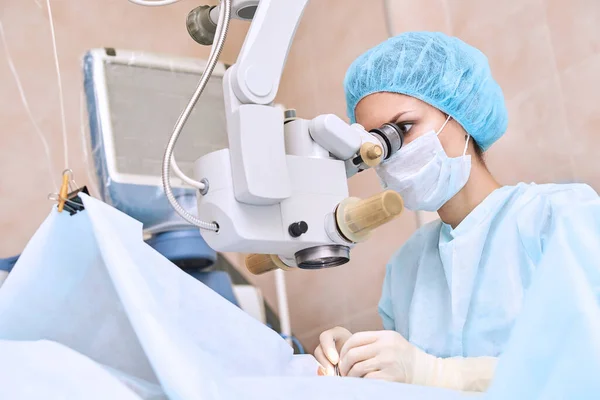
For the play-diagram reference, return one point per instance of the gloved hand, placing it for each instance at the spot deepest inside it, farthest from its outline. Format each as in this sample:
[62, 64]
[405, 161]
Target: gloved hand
[330, 345]
[388, 356]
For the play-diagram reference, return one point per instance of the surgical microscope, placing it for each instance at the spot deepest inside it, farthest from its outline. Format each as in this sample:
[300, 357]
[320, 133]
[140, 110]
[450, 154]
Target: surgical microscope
[279, 191]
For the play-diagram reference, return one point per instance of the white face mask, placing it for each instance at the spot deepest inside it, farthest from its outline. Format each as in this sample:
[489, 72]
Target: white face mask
[423, 174]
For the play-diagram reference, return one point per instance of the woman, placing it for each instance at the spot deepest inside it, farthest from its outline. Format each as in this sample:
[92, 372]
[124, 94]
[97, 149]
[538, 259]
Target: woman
[453, 291]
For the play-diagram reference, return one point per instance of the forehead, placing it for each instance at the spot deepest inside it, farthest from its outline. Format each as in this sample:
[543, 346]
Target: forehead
[379, 108]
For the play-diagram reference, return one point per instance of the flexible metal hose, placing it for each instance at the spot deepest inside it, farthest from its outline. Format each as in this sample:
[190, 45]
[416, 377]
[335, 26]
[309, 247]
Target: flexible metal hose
[166, 164]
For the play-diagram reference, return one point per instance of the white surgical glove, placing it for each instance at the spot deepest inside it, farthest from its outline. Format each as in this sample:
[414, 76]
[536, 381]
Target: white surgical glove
[330, 345]
[388, 356]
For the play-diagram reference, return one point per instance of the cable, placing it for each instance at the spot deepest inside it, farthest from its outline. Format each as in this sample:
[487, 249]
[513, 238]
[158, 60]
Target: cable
[295, 341]
[36, 127]
[184, 177]
[221, 34]
[224, 18]
[153, 3]
[60, 88]
[176, 169]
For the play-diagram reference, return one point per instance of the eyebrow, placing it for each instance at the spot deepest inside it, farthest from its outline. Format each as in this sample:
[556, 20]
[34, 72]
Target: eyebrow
[395, 117]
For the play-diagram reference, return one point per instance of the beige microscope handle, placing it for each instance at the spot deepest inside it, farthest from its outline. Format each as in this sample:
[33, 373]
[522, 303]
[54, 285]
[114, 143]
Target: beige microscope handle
[259, 264]
[357, 218]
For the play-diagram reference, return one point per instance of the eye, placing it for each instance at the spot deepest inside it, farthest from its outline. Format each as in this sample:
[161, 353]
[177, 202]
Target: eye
[404, 126]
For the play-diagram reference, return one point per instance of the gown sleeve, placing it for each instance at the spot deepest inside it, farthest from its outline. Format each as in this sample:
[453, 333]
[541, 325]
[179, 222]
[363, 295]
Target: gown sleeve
[385, 307]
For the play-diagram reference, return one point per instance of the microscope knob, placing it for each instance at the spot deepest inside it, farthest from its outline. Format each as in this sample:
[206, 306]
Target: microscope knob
[371, 154]
[298, 229]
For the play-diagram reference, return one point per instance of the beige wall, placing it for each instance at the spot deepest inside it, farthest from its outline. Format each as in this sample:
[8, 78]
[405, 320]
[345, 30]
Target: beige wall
[544, 53]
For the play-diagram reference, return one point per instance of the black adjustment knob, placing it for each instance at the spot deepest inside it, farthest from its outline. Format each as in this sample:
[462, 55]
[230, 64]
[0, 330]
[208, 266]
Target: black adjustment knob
[297, 229]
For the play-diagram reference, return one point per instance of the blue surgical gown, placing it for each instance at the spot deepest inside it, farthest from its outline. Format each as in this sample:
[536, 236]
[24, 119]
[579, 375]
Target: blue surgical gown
[457, 292]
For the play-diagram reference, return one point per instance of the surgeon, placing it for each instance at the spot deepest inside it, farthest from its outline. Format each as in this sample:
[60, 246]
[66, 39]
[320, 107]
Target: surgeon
[452, 293]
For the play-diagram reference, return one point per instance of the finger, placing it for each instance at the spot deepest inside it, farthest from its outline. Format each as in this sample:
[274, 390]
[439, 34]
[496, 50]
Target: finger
[356, 355]
[380, 375]
[359, 339]
[363, 368]
[330, 340]
[325, 363]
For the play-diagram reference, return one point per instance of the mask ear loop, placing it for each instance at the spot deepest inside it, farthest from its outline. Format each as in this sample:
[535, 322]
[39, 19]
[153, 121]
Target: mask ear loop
[466, 145]
[468, 136]
[444, 125]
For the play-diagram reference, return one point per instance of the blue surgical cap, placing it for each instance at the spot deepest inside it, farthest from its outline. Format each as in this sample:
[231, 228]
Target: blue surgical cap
[440, 70]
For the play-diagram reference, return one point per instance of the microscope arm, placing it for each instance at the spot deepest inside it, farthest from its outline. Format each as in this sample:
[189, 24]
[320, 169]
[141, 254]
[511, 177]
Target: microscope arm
[254, 126]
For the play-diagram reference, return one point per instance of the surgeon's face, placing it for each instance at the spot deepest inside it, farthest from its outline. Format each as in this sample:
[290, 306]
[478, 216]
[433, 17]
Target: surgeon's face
[413, 116]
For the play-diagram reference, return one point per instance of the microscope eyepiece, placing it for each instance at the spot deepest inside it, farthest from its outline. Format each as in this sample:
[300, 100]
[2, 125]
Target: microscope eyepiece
[391, 137]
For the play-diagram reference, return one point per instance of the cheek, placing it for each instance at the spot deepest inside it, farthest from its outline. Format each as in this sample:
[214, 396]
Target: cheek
[453, 145]
[418, 130]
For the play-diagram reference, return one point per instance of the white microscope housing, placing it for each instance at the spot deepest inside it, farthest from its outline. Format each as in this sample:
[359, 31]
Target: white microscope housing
[280, 190]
